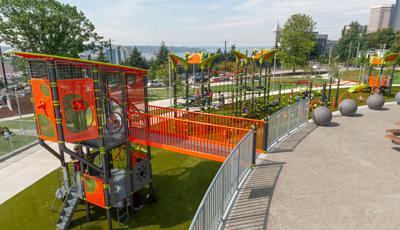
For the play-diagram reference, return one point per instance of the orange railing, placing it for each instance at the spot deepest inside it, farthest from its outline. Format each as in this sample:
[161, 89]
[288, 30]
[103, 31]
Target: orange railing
[205, 140]
[213, 119]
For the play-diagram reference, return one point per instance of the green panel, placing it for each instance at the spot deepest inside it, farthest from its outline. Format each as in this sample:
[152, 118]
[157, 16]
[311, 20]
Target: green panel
[45, 89]
[76, 121]
[90, 185]
[45, 126]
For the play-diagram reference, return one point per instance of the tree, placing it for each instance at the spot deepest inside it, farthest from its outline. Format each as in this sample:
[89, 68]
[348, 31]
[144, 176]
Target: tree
[136, 59]
[353, 35]
[380, 37]
[101, 57]
[162, 73]
[162, 55]
[46, 26]
[297, 40]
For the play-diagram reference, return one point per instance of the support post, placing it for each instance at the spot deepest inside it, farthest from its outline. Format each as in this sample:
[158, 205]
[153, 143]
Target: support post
[330, 89]
[391, 80]
[187, 89]
[151, 196]
[265, 133]
[323, 98]
[52, 73]
[253, 104]
[125, 101]
[254, 147]
[174, 87]
[104, 154]
[337, 93]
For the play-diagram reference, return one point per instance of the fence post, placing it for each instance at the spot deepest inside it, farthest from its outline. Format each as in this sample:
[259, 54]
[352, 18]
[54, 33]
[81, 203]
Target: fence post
[253, 154]
[288, 123]
[265, 133]
[298, 113]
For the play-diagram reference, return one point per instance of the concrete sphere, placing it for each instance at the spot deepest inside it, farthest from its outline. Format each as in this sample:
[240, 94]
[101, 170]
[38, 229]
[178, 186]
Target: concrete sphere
[398, 98]
[375, 101]
[348, 107]
[322, 116]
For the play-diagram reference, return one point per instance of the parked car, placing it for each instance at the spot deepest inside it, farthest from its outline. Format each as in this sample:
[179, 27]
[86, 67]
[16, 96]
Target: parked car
[182, 101]
[155, 83]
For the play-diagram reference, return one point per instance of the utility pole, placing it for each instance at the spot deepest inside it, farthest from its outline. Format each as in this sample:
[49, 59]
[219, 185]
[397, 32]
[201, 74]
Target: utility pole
[348, 58]
[357, 53]
[225, 55]
[330, 55]
[4, 71]
[111, 56]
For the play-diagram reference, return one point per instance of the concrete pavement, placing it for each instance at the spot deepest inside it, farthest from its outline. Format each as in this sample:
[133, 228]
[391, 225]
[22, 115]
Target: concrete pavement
[24, 169]
[345, 176]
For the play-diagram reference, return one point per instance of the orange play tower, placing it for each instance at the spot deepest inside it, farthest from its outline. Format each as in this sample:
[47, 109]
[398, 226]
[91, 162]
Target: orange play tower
[102, 109]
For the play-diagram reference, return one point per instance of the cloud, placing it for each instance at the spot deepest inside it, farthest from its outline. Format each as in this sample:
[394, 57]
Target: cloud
[210, 22]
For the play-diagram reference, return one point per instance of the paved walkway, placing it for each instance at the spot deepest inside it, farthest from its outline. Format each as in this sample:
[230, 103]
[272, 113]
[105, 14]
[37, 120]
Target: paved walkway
[345, 176]
[24, 169]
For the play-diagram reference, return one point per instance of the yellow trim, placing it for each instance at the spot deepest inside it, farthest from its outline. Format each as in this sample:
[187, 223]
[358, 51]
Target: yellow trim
[77, 60]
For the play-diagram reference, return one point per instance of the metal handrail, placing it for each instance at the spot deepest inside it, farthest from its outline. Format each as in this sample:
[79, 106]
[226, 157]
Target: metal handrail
[281, 123]
[199, 223]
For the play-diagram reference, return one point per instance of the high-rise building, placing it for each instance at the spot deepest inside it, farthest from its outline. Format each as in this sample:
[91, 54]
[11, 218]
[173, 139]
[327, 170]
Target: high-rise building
[381, 17]
[395, 17]
[276, 35]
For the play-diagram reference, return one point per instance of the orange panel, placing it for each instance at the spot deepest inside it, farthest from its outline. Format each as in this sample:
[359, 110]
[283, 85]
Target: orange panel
[44, 109]
[94, 191]
[78, 109]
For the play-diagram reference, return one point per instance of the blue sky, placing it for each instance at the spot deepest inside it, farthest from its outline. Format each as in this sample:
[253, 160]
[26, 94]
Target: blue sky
[210, 22]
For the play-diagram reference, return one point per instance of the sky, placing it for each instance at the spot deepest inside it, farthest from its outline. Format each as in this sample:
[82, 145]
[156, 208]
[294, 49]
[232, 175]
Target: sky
[210, 22]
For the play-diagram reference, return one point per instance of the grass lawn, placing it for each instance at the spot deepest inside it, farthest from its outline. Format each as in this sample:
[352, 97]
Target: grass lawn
[355, 74]
[179, 181]
[27, 123]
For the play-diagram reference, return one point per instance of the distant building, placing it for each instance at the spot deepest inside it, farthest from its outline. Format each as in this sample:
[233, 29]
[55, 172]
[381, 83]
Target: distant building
[322, 41]
[395, 17]
[119, 54]
[330, 45]
[276, 35]
[381, 17]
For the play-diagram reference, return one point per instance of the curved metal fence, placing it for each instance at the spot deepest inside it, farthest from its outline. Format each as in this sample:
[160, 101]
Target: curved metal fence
[226, 182]
[287, 120]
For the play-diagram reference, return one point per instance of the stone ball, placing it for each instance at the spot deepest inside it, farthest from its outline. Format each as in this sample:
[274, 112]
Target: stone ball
[375, 101]
[322, 116]
[398, 98]
[348, 107]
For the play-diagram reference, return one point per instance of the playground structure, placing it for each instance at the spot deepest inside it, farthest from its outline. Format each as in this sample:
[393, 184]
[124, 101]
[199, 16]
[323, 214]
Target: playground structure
[102, 109]
[377, 82]
[239, 92]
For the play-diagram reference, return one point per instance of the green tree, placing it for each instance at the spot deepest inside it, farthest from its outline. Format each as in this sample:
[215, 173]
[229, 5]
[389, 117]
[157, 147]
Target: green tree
[136, 59]
[101, 57]
[396, 43]
[46, 26]
[297, 40]
[380, 37]
[162, 55]
[162, 73]
[353, 34]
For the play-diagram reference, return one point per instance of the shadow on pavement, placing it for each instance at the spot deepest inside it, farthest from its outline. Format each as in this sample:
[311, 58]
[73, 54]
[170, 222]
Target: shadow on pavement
[251, 208]
[289, 143]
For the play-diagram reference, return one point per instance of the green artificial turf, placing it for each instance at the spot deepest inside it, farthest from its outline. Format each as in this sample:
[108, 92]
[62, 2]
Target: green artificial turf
[179, 181]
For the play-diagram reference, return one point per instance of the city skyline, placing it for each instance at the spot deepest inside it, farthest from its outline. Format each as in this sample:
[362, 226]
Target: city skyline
[245, 23]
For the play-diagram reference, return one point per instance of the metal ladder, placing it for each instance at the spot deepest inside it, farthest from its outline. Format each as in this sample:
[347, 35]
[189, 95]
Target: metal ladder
[68, 207]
